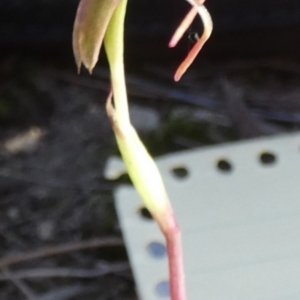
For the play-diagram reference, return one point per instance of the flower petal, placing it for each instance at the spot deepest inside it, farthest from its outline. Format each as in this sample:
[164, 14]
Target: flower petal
[183, 27]
[208, 25]
[90, 25]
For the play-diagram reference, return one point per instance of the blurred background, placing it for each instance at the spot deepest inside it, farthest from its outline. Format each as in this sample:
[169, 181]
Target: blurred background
[55, 138]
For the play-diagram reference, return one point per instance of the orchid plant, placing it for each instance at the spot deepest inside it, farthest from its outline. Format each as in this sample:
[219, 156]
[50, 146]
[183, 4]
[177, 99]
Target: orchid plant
[102, 21]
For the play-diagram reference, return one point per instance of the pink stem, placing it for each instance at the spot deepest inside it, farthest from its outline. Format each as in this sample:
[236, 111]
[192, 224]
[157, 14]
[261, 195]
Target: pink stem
[174, 246]
[177, 280]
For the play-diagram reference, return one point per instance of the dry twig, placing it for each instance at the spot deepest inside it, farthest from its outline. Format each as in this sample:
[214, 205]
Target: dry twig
[60, 249]
[67, 272]
[64, 293]
[18, 283]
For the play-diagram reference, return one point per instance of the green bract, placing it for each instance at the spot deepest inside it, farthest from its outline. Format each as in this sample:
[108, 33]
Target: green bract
[92, 19]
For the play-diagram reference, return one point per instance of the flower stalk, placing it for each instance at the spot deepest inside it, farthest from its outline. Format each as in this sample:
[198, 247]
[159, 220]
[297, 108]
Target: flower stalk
[103, 20]
[140, 165]
[114, 46]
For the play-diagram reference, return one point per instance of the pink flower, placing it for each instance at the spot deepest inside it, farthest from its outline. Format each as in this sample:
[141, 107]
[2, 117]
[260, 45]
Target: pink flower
[197, 8]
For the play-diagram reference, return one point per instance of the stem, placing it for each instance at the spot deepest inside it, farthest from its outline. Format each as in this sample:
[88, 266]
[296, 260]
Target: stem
[175, 255]
[141, 167]
[114, 46]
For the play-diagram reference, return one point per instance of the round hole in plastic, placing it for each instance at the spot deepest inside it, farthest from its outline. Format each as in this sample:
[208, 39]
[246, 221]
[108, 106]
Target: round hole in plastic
[224, 165]
[267, 158]
[163, 289]
[145, 213]
[157, 250]
[180, 172]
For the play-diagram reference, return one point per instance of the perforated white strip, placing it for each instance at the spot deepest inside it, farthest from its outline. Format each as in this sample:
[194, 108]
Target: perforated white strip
[239, 209]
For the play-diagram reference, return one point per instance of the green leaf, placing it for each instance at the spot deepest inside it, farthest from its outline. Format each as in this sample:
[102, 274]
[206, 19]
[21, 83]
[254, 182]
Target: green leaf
[92, 19]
